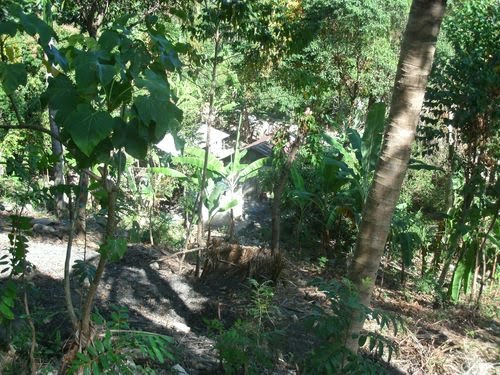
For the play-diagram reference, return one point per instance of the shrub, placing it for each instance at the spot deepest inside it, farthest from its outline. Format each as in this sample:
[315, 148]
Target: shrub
[331, 326]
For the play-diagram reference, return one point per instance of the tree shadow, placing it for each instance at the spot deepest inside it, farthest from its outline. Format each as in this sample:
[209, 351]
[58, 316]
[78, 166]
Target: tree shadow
[165, 302]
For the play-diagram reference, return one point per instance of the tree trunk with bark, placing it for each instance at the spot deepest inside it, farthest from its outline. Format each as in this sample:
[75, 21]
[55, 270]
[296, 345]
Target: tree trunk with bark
[211, 114]
[81, 205]
[414, 67]
[58, 170]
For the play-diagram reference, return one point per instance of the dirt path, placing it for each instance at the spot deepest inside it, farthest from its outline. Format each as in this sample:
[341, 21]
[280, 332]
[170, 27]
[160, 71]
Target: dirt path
[160, 299]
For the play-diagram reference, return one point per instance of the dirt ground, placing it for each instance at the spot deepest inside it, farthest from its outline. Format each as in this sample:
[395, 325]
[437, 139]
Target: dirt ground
[161, 299]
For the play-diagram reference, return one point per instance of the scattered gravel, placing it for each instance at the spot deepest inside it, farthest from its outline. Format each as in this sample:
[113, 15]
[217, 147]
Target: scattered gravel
[47, 254]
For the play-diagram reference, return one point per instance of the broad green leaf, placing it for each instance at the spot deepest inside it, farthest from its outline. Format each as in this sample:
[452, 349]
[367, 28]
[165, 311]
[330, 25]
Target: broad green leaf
[105, 73]
[95, 369]
[156, 84]
[8, 28]
[356, 143]
[12, 76]
[109, 39]
[251, 169]
[117, 93]
[373, 342]
[162, 113]
[420, 165]
[128, 135]
[380, 349]
[346, 154]
[6, 312]
[229, 205]
[362, 340]
[91, 349]
[114, 249]
[197, 160]
[456, 283]
[35, 26]
[92, 68]
[297, 179]
[62, 96]
[470, 263]
[56, 57]
[87, 127]
[372, 137]
[168, 172]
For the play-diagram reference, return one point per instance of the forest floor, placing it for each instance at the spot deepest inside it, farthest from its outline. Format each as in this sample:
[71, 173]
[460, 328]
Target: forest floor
[161, 298]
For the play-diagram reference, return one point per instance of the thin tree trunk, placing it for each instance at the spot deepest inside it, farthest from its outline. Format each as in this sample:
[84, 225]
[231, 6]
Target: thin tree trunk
[81, 206]
[493, 270]
[424, 260]
[89, 301]
[211, 100]
[477, 267]
[481, 250]
[67, 263]
[414, 67]
[455, 238]
[58, 170]
[84, 334]
[483, 279]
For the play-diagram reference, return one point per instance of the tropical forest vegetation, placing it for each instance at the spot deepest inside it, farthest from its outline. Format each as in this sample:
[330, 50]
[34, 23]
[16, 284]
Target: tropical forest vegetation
[249, 187]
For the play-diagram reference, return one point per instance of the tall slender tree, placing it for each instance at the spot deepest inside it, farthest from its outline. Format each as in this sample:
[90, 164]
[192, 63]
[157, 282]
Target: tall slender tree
[414, 67]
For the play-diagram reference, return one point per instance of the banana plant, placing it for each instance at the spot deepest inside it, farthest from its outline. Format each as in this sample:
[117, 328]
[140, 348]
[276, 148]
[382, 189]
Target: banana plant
[342, 176]
[224, 186]
[403, 239]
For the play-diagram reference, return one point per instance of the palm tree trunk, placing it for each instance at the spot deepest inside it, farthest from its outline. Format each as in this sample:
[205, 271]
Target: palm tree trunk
[414, 67]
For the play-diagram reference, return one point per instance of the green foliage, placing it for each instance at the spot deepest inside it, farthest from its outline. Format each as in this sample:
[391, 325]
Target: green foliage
[114, 249]
[115, 71]
[403, 239]
[12, 76]
[84, 270]
[224, 182]
[113, 352]
[262, 301]
[242, 348]
[469, 63]
[341, 55]
[331, 327]
[466, 62]
[15, 264]
[372, 138]
[246, 346]
[7, 300]
[333, 185]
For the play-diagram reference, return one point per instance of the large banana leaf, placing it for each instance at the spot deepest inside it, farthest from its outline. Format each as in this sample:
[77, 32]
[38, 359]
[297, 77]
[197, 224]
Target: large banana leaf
[196, 158]
[356, 144]
[297, 179]
[250, 170]
[372, 137]
[168, 172]
[463, 273]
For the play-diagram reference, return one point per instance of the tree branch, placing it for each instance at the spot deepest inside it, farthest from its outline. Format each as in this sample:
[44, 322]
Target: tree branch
[31, 127]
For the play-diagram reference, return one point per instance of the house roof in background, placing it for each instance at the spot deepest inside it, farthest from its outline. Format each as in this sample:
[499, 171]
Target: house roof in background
[262, 145]
[167, 144]
[215, 134]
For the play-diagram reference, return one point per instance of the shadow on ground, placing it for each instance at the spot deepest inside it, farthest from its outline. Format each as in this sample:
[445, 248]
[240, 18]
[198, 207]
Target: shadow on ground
[163, 301]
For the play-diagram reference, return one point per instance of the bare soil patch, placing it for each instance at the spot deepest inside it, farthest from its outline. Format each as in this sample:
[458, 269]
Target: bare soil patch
[161, 299]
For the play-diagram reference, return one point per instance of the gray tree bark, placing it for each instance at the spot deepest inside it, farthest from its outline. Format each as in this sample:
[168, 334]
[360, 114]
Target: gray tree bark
[414, 67]
[58, 170]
